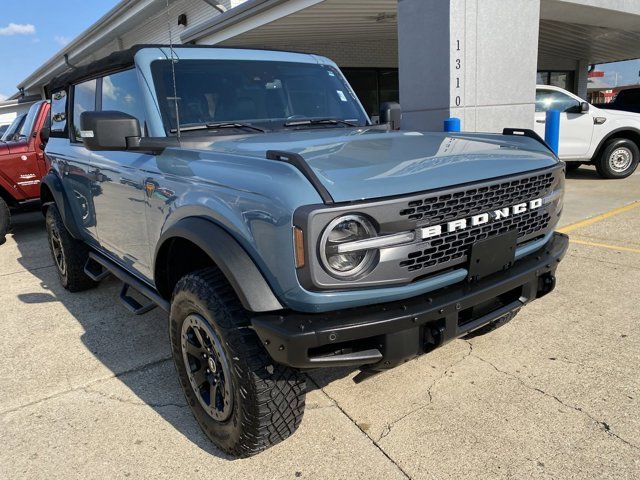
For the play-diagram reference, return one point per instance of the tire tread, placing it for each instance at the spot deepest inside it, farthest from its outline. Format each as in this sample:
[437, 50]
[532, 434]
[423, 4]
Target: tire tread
[274, 402]
[76, 253]
[602, 163]
[5, 220]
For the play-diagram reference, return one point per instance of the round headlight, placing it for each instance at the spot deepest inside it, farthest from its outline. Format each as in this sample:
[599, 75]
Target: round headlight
[348, 228]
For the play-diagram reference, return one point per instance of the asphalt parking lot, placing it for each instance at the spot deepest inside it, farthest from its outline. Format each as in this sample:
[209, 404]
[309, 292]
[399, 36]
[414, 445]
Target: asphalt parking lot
[89, 391]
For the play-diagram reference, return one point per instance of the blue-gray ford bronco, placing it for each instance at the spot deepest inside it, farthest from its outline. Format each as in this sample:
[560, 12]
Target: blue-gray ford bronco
[248, 194]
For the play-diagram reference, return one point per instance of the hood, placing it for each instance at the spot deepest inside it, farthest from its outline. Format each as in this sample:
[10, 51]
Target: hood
[7, 148]
[621, 113]
[366, 163]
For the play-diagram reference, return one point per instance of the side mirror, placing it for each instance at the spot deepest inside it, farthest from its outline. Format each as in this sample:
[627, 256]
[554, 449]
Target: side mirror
[584, 107]
[108, 130]
[391, 114]
[45, 132]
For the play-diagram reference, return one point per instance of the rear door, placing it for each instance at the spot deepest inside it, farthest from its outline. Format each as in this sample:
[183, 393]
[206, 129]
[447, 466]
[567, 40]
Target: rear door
[576, 128]
[70, 157]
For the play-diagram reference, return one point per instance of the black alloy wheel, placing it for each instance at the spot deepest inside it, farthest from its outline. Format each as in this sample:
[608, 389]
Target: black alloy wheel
[207, 367]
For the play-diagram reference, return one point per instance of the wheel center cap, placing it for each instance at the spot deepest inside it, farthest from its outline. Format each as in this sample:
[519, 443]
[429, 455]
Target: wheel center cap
[212, 365]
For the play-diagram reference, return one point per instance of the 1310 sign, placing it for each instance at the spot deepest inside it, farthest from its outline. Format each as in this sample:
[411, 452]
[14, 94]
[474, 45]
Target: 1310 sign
[458, 74]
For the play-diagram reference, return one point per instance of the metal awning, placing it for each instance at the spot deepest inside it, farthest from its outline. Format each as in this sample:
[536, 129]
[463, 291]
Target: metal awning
[608, 35]
[599, 31]
[595, 44]
[306, 22]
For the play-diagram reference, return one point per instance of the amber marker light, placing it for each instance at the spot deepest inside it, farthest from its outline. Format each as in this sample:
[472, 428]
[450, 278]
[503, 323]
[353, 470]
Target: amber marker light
[298, 245]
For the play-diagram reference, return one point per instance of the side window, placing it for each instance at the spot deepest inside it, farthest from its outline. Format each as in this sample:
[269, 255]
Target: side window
[58, 114]
[84, 100]
[553, 100]
[121, 92]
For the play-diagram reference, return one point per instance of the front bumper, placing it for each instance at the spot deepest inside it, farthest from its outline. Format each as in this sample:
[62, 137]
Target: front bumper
[384, 335]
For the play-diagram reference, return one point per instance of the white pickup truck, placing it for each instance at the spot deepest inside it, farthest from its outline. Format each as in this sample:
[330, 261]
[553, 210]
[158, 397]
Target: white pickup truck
[609, 139]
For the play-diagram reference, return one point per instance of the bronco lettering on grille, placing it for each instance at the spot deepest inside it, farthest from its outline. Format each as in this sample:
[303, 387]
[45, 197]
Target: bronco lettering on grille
[480, 219]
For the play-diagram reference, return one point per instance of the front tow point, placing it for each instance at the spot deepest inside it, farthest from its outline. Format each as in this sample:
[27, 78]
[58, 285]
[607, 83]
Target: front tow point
[546, 284]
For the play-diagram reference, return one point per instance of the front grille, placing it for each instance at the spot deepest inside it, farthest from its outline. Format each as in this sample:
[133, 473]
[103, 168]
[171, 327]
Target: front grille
[454, 247]
[474, 200]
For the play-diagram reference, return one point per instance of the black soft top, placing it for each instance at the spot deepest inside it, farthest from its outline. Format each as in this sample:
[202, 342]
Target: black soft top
[117, 61]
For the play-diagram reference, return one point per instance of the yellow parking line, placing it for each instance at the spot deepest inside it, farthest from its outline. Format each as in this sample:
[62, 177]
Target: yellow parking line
[604, 245]
[597, 218]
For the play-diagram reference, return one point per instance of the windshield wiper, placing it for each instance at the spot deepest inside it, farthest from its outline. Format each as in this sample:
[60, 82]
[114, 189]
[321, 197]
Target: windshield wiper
[217, 126]
[320, 121]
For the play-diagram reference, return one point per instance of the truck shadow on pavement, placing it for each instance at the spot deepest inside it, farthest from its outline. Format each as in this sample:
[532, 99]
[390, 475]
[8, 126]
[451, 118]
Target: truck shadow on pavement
[585, 172]
[134, 349]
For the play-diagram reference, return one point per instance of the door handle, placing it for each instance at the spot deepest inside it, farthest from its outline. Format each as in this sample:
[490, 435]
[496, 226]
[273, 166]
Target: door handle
[541, 121]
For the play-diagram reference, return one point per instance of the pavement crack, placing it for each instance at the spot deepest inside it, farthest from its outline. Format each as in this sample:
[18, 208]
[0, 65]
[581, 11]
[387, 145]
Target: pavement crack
[602, 425]
[375, 443]
[26, 270]
[448, 370]
[140, 368]
[115, 398]
[318, 407]
[387, 430]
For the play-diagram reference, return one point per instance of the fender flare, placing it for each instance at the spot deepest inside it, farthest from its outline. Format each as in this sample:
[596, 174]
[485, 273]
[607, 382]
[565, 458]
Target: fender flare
[54, 185]
[245, 278]
[608, 136]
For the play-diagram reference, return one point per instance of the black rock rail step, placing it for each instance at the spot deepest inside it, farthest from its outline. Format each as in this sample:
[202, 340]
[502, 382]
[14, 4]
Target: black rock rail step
[99, 267]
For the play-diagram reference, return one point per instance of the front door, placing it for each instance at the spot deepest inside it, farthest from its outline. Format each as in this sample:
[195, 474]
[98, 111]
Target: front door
[119, 197]
[21, 165]
[119, 202]
[576, 129]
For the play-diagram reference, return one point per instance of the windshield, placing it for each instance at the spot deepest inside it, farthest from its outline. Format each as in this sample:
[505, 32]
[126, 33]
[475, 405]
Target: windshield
[10, 133]
[264, 94]
[30, 119]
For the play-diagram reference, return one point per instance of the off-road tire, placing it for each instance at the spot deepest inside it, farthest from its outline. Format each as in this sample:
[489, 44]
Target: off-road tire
[268, 399]
[605, 164]
[70, 265]
[5, 220]
[573, 166]
[490, 327]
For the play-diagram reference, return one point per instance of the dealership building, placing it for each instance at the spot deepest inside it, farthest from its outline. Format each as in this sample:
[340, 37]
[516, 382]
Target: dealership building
[478, 60]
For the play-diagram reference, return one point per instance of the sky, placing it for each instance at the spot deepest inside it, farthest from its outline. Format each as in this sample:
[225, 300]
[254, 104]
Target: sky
[32, 31]
[621, 73]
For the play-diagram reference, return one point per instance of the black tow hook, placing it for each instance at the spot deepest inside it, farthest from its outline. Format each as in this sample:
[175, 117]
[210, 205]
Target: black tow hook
[546, 284]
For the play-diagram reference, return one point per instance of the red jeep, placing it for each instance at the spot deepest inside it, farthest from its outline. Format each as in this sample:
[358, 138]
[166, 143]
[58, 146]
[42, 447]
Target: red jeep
[22, 162]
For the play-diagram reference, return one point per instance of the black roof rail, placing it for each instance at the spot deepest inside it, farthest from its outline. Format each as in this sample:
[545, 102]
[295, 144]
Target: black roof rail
[301, 164]
[527, 132]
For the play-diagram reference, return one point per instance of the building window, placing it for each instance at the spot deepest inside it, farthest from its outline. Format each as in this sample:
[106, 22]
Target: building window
[557, 79]
[373, 86]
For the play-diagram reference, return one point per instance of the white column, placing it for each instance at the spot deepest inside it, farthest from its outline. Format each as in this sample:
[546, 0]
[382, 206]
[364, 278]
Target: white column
[472, 59]
[581, 78]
